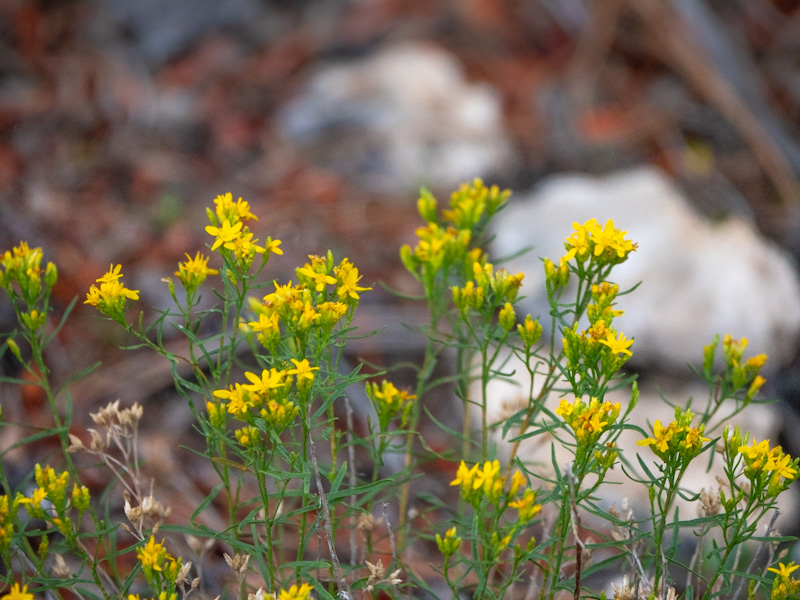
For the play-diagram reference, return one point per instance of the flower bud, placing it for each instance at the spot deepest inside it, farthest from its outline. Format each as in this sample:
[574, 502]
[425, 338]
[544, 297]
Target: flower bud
[80, 497]
[51, 274]
[408, 259]
[12, 345]
[426, 205]
[212, 217]
[530, 331]
[507, 317]
[758, 381]
[708, 356]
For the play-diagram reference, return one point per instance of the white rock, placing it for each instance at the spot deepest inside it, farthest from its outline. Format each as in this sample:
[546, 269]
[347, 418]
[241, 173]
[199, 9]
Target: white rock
[401, 118]
[698, 278]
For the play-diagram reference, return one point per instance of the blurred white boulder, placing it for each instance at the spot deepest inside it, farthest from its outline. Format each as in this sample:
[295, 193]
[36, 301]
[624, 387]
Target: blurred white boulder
[698, 278]
[403, 117]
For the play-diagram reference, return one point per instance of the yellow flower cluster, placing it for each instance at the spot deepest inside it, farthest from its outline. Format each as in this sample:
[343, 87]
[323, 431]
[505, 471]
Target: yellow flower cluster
[599, 344]
[556, 276]
[678, 440]
[154, 559]
[768, 468]
[53, 488]
[437, 247]
[296, 592]
[112, 296]
[248, 436]
[389, 401]
[8, 508]
[317, 274]
[530, 331]
[233, 236]
[484, 481]
[444, 242]
[784, 586]
[472, 202]
[193, 271]
[22, 266]
[308, 306]
[479, 482]
[267, 396]
[600, 350]
[17, 593]
[603, 245]
[449, 544]
[588, 421]
[526, 505]
[489, 289]
[603, 296]
[743, 372]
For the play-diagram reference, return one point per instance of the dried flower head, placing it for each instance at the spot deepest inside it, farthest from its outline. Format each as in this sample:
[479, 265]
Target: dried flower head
[60, 569]
[366, 522]
[709, 503]
[238, 563]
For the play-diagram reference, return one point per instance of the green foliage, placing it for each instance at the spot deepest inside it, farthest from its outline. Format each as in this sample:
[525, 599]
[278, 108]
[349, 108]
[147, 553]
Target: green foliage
[266, 388]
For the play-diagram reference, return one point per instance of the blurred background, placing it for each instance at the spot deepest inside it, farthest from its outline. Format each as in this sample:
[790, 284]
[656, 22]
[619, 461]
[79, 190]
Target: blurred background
[120, 121]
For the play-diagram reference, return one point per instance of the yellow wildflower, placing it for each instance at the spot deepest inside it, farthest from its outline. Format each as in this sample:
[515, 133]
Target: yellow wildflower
[784, 570]
[464, 475]
[295, 592]
[270, 379]
[225, 234]
[507, 317]
[17, 593]
[272, 246]
[304, 372]
[193, 271]
[389, 401]
[347, 278]
[448, 545]
[227, 209]
[486, 476]
[112, 296]
[239, 399]
[588, 421]
[267, 328]
[679, 438]
[530, 331]
[781, 464]
[248, 436]
[526, 506]
[152, 555]
[577, 244]
[244, 247]
[770, 468]
[278, 415]
[305, 316]
[617, 344]
[606, 245]
[315, 273]
[331, 312]
[661, 437]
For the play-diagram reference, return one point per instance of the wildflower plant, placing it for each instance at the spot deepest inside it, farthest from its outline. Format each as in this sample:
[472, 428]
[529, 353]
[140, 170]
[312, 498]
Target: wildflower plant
[263, 376]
